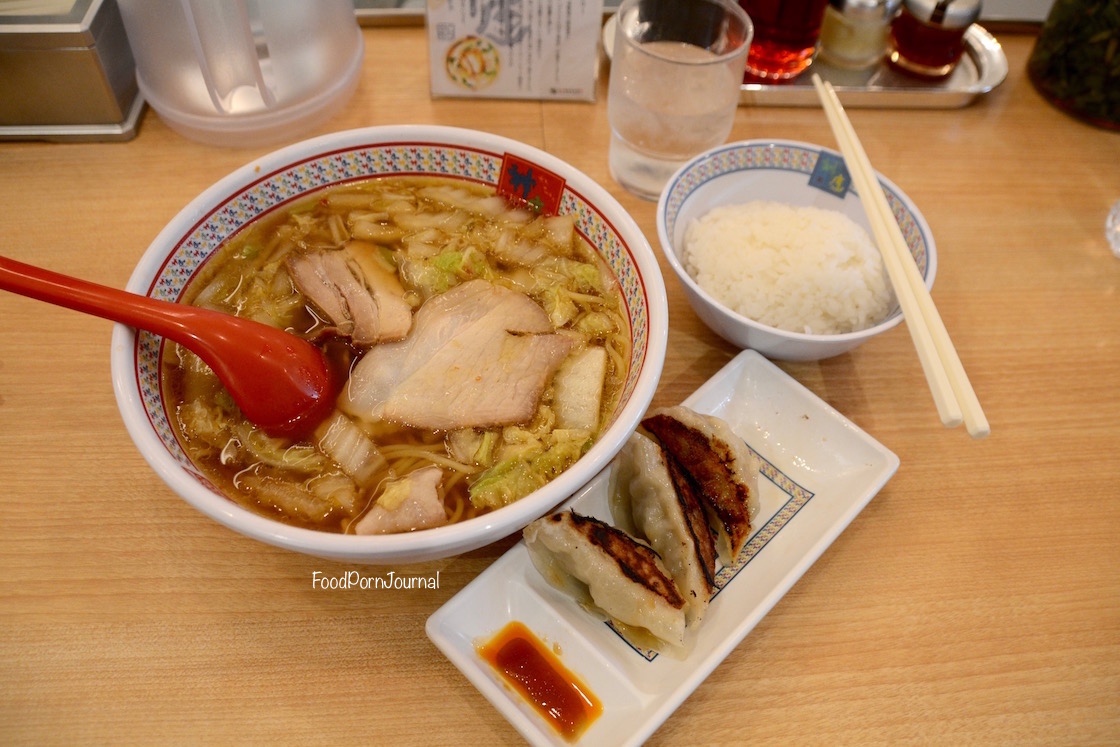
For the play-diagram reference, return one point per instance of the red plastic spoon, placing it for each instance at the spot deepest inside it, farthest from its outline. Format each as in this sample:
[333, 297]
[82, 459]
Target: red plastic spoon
[281, 383]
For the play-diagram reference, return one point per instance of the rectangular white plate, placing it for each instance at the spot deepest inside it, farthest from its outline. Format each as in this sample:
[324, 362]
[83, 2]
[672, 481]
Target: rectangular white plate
[819, 471]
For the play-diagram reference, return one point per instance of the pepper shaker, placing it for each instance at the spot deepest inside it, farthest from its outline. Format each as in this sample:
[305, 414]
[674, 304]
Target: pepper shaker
[927, 36]
[854, 32]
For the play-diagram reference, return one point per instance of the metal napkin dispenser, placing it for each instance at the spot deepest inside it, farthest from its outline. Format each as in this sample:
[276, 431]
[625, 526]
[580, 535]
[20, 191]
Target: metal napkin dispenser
[66, 71]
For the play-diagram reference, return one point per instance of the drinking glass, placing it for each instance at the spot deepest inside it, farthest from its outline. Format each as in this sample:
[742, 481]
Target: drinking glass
[676, 72]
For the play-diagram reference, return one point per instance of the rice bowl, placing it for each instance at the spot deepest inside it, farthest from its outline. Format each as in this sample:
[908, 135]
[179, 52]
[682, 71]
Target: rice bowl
[797, 175]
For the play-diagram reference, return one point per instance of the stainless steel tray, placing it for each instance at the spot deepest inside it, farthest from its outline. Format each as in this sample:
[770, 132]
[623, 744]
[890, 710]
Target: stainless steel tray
[983, 67]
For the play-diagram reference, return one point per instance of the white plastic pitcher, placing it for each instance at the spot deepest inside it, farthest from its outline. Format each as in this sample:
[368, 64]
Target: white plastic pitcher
[244, 72]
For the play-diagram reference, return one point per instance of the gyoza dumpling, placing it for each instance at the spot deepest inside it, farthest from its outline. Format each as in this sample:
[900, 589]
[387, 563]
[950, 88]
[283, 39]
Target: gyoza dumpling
[724, 469]
[585, 557]
[644, 500]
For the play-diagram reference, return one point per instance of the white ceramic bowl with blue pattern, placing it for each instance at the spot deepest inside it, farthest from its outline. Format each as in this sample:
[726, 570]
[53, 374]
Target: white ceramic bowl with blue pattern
[273, 181]
[793, 173]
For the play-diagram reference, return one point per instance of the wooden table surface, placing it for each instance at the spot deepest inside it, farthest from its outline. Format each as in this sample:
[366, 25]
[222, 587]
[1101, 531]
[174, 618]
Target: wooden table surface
[975, 600]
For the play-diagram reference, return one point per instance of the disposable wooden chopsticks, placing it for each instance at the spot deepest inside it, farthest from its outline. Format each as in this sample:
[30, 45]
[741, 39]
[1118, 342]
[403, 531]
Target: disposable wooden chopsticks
[952, 391]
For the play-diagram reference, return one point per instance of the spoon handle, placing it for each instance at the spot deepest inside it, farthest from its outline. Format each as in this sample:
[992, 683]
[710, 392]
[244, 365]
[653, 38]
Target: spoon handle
[164, 318]
[280, 382]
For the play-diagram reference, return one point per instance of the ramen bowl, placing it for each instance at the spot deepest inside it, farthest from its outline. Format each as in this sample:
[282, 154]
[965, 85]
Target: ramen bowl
[790, 173]
[275, 181]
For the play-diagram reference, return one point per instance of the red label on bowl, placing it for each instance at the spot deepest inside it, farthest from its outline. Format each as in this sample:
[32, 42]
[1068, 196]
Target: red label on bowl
[527, 182]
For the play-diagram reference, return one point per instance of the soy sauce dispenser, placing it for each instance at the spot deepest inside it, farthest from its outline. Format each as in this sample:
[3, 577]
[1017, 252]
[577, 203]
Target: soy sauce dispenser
[927, 36]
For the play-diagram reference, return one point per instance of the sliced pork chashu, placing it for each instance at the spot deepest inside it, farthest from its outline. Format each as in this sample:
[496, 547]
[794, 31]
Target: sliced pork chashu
[720, 464]
[478, 356]
[406, 504]
[364, 300]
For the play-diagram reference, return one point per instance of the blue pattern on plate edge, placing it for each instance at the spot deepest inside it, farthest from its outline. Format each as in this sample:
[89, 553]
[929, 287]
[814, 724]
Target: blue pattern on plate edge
[274, 191]
[758, 156]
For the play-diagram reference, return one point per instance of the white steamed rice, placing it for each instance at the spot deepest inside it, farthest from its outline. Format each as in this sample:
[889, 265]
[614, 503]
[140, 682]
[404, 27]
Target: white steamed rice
[801, 269]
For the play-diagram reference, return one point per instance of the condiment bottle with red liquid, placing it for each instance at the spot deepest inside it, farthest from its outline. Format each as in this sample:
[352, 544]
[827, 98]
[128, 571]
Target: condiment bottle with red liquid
[786, 37]
[927, 36]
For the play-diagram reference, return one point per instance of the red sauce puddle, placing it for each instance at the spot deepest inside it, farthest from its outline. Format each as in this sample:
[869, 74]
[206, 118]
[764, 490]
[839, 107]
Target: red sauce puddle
[536, 673]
